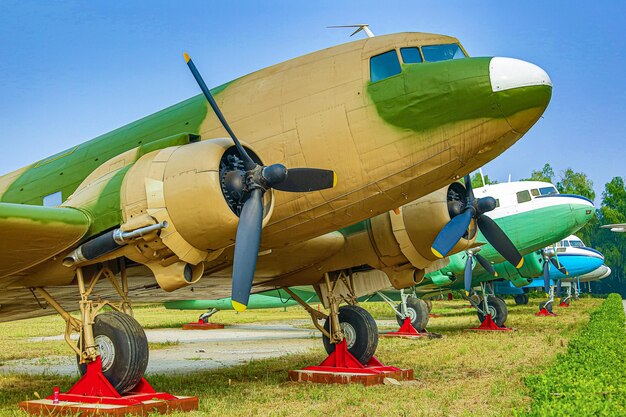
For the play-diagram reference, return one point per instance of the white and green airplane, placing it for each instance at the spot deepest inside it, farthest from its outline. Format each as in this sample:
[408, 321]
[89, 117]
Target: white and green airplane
[532, 214]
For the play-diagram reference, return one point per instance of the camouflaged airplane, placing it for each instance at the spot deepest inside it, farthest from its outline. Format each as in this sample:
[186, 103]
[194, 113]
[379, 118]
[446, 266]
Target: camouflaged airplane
[175, 197]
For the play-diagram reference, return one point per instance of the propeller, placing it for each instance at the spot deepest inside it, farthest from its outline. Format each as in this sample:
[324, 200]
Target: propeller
[474, 209]
[244, 182]
[550, 254]
[468, 267]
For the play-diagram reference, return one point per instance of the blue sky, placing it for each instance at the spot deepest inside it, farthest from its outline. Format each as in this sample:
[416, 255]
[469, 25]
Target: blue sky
[73, 70]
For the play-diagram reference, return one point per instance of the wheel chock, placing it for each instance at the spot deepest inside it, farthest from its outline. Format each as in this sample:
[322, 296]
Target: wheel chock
[340, 367]
[489, 325]
[545, 313]
[406, 330]
[202, 325]
[93, 394]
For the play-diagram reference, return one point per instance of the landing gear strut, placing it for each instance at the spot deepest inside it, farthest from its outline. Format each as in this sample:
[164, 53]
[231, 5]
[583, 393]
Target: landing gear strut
[545, 307]
[411, 314]
[112, 352]
[492, 311]
[350, 336]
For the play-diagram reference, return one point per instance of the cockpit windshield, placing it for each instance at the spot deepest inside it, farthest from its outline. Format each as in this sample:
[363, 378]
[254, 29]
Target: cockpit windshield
[548, 190]
[577, 243]
[436, 53]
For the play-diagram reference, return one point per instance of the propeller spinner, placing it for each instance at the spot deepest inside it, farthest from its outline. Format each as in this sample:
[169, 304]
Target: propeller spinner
[474, 209]
[246, 182]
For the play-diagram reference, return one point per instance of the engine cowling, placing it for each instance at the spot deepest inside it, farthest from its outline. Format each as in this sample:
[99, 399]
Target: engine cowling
[532, 268]
[398, 242]
[183, 186]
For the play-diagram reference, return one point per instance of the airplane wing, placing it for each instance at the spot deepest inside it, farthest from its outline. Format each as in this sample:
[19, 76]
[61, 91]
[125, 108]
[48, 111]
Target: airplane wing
[619, 228]
[30, 234]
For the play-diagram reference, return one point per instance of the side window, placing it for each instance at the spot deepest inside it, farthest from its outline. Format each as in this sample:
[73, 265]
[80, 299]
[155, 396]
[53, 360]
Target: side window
[384, 66]
[497, 202]
[53, 200]
[523, 196]
[534, 192]
[411, 55]
[436, 53]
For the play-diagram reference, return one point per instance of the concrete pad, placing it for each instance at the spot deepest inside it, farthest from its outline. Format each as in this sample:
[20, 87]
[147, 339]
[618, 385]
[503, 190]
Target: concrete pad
[195, 351]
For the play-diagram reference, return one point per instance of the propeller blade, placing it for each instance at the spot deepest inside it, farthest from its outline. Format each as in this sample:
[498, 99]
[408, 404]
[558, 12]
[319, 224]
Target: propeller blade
[247, 244]
[468, 188]
[546, 277]
[307, 179]
[248, 162]
[486, 264]
[558, 288]
[558, 266]
[467, 278]
[500, 241]
[451, 233]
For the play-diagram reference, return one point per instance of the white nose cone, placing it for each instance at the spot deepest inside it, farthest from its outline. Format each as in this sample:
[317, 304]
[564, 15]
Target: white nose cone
[508, 73]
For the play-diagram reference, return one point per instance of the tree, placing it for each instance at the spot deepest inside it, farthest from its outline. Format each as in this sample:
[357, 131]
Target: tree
[612, 245]
[572, 182]
[546, 174]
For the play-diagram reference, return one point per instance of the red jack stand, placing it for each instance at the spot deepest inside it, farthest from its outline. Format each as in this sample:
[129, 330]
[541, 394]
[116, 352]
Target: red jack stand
[545, 313]
[489, 325]
[563, 304]
[202, 325]
[340, 367]
[93, 394]
[406, 330]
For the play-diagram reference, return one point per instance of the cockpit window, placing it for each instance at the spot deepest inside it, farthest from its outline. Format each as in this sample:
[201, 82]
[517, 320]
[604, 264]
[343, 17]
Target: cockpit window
[548, 190]
[411, 55]
[576, 244]
[564, 243]
[534, 192]
[436, 53]
[384, 66]
[523, 196]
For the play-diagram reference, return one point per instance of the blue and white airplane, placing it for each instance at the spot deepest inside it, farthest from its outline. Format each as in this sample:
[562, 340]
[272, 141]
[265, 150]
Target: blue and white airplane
[578, 262]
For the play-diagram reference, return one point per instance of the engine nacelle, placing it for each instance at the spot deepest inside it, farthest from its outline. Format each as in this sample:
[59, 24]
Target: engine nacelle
[182, 185]
[532, 268]
[398, 242]
[415, 226]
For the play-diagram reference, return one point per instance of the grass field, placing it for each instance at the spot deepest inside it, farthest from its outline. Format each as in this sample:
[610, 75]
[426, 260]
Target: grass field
[464, 373]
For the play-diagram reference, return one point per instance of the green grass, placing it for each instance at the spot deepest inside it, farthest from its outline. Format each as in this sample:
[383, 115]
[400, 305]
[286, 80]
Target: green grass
[462, 374]
[588, 379]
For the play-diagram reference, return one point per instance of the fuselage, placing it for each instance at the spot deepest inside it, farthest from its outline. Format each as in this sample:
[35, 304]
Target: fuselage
[393, 131]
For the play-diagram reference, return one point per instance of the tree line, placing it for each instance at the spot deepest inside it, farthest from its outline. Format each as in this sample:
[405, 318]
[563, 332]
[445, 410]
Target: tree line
[612, 210]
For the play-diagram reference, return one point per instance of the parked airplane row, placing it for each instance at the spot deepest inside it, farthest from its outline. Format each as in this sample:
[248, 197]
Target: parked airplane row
[176, 207]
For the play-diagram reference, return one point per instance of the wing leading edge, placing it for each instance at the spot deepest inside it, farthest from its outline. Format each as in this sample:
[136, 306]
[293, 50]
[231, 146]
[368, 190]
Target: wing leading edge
[30, 235]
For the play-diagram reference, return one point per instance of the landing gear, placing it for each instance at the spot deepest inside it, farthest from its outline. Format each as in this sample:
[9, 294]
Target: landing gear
[350, 336]
[112, 352]
[545, 307]
[492, 311]
[494, 306]
[204, 317]
[360, 332]
[521, 299]
[415, 309]
[565, 301]
[123, 348]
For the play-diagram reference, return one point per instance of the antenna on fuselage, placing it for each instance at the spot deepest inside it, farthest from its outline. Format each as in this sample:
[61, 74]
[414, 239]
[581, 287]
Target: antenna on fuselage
[362, 27]
[482, 177]
[509, 177]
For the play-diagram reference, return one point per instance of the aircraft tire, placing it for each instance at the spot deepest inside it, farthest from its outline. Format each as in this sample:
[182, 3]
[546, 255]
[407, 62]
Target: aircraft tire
[521, 299]
[547, 305]
[497, 308]
[123, 347]
[417, 310]
[360, 330]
